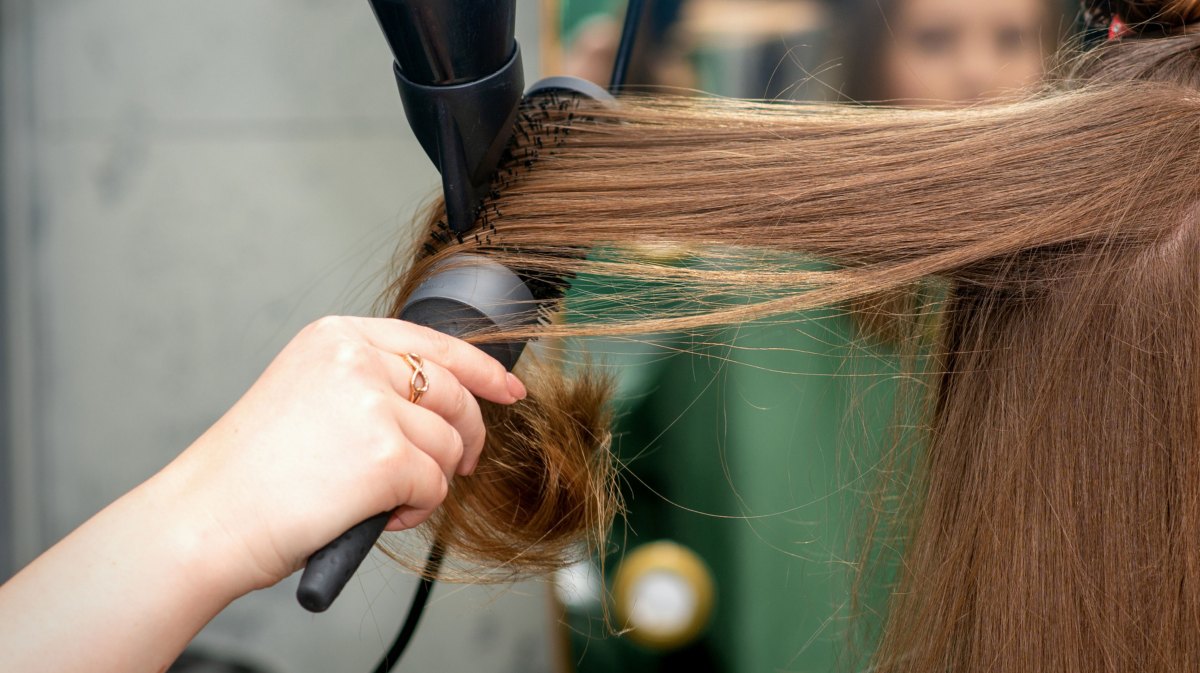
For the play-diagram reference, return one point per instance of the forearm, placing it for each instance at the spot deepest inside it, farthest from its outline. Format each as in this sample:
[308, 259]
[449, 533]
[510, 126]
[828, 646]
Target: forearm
[126, 591]
[323, 440]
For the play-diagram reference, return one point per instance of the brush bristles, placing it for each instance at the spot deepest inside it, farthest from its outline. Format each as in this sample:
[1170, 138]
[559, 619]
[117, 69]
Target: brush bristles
[542, 128]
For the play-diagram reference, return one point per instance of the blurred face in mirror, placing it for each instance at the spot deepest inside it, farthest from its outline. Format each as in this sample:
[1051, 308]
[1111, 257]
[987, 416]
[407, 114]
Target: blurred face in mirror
[941, 51]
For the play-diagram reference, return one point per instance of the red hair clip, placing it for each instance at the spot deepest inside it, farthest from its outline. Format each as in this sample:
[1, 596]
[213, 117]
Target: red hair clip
[1117, 28]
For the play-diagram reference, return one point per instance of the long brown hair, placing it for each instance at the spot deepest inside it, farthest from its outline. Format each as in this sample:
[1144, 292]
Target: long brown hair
[1050, 516]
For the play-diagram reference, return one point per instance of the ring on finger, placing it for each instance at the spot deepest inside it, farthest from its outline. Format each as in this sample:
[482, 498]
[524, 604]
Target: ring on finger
[418, 383]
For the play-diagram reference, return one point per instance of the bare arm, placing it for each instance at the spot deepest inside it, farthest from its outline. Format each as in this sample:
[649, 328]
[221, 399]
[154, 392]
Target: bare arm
[126, 591]
[324, 439]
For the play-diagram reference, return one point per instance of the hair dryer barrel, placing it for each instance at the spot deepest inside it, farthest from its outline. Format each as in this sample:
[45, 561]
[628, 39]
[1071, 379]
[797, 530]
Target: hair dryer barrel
[443, 42]
[459, 71]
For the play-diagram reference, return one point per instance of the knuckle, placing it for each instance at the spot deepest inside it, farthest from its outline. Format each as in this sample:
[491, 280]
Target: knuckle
[441, 488]
[425, 486]
[373, 403]
[442, 347]
[415, 517]
[471, 425]
[498, 376]
[328, 325]
[478, 437]
[351, 355]
[460, 406]
[392, 451]
[456, 447]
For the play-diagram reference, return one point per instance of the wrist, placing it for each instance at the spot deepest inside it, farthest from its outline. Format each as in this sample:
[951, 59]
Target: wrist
[204, 553]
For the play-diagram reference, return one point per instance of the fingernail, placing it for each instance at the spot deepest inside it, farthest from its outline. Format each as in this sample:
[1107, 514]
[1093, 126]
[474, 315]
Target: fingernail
[516, 388]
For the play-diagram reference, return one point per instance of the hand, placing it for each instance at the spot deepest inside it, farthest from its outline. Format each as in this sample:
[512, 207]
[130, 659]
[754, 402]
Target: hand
[324, 439]
[327, 437]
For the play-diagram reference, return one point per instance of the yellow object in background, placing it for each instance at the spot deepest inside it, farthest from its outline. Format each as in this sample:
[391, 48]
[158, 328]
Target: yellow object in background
[664, 593]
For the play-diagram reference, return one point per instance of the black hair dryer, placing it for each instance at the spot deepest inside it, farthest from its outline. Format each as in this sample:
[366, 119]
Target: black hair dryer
[458, 67]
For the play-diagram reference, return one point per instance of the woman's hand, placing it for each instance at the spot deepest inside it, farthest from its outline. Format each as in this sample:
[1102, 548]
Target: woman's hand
[328, 437]
[324, 439]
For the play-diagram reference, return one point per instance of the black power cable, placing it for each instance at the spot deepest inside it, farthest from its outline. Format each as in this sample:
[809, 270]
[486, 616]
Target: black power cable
[428, 578]
[633, 20]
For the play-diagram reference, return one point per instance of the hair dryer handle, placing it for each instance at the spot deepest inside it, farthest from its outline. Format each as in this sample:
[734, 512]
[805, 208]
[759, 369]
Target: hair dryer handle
[331, 567]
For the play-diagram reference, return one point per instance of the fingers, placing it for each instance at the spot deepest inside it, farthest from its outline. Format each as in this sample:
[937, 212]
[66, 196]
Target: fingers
[433, 436]
[423, 484]
[480, 373]
[431, 441]
[407, 517]
[445, 397]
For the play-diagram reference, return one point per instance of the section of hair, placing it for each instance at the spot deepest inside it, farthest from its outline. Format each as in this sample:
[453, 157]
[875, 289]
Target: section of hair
[1175, 60]
[890, 195]
[1050, 519]
[1150, 16]
[543, 494]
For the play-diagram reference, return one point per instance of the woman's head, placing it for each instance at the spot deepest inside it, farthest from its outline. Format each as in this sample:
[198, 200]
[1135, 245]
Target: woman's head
[1045, 500]
[921, 52]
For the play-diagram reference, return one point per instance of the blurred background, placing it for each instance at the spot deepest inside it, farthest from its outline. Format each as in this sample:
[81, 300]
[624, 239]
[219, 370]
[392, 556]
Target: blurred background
[185, 186]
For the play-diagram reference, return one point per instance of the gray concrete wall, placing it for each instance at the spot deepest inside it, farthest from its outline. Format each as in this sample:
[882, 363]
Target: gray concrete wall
[7, 504]
[188, 184]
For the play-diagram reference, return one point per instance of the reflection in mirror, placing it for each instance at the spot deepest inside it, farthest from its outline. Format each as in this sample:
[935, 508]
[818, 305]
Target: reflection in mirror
[923, 52]
[766, 49]
[906, 52]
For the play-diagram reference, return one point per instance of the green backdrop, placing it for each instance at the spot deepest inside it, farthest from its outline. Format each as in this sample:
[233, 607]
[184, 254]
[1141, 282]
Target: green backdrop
[753, 447]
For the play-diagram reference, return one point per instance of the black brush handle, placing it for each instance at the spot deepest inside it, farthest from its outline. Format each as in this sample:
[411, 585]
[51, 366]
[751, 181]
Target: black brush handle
[333, 565]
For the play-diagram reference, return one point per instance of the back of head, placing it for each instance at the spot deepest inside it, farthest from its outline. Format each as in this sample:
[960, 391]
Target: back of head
[1160, 16]
[1061, 484]
[1160, 42]
[1051, 519]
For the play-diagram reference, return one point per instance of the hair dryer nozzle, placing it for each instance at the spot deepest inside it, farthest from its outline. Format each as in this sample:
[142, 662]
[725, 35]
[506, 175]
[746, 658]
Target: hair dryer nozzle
[448, 41]
[460, 77]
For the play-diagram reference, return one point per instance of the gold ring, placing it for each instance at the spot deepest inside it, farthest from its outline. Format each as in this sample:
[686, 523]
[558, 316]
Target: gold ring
[418, 384]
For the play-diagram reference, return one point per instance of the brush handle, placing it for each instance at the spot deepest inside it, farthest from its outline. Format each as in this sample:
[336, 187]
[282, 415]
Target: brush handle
[333, 565]
[468, 294]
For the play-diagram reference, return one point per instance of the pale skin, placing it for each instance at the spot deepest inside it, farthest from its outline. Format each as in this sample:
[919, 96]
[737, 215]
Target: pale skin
[324, 439]
[951, 51]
